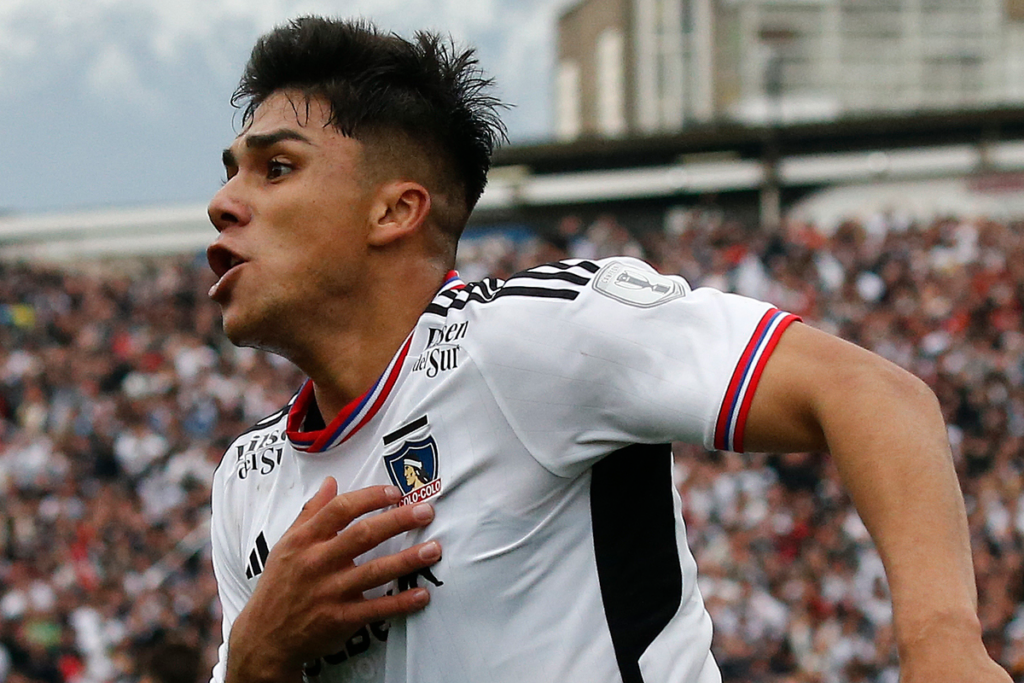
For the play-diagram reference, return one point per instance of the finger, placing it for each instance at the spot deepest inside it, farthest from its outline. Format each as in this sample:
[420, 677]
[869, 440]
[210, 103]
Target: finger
[327, 491]
[383, 570]
[388, 606]
[341, 510]
[368, 533]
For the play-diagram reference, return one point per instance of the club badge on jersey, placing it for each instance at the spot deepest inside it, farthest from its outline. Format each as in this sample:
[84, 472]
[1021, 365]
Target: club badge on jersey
[412, 462]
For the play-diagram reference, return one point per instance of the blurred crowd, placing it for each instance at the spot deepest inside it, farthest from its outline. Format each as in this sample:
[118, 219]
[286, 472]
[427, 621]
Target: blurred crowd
[118, 397]
[119, 394]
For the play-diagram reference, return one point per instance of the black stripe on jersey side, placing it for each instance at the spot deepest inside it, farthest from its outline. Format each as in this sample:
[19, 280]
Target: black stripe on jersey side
[483, 298]
[407, 429]
[635, 545]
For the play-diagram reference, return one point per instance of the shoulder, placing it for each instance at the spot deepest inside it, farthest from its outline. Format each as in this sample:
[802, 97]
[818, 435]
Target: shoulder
[581, 307]
[636, 283]
[562, 280]
[621, 279]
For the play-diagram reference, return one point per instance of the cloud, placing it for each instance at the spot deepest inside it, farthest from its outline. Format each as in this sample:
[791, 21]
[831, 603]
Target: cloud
[42, 38]
[114, 77]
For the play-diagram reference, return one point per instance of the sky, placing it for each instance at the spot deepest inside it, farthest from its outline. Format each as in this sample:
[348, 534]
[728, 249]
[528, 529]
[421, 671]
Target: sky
[125, 102]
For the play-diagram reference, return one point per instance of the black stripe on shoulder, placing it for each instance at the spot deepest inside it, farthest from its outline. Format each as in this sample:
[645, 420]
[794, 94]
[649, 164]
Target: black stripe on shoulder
[585, 265]
[440, 304]
[539, 292]
[563, 275]
[266, 422]
[488, 290]
[436, 309]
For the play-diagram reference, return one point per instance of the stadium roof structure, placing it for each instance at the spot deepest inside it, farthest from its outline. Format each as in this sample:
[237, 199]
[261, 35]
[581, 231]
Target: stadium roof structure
[850, 133]
[729, 157]
[104, 233]
[720, 159]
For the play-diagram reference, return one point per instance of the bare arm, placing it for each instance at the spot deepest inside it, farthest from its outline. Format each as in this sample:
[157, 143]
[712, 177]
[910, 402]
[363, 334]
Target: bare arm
[887, 438]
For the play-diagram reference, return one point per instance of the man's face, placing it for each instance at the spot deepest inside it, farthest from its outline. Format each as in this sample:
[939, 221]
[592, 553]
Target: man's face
[410, 476]
[293, 217]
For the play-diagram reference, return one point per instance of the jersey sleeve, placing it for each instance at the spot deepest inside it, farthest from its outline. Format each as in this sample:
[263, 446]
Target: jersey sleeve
[228, 568]
[622, 354]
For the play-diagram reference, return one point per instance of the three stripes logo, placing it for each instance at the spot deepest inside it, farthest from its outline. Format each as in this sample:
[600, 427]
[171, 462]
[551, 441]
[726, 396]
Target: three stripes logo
[257, 558]
[562, 280]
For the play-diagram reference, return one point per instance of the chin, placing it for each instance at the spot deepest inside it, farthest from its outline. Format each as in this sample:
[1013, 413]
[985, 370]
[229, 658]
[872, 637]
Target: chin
[241, 330]
[251, 331]
[238, 337]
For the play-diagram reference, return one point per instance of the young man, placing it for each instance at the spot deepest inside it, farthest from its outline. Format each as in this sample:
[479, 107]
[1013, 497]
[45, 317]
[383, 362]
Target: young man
[514, 424]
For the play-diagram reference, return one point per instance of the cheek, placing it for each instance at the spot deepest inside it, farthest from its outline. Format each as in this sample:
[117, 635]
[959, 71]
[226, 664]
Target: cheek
[305, 270]
[316, 240]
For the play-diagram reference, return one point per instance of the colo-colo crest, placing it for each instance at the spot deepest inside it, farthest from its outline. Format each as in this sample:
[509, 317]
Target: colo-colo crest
[411, 460]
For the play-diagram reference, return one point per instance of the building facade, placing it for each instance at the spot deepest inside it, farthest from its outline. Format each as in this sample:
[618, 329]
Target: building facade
[654, 66]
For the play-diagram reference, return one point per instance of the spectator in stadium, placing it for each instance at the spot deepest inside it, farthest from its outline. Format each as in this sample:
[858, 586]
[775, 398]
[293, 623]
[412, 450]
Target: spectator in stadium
[741, 530]
[836, 566]
[399, 210]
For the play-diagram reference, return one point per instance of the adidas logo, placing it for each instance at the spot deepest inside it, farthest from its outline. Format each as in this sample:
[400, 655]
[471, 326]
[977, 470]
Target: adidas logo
[257, 557]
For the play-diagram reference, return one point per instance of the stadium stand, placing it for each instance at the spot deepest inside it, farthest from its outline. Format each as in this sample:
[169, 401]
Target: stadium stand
[118, 395]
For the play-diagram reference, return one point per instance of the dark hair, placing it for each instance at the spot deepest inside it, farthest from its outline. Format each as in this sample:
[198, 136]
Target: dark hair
[378, 84]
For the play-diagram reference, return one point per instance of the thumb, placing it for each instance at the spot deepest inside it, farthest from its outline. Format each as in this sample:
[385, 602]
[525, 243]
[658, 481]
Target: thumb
[328, 490]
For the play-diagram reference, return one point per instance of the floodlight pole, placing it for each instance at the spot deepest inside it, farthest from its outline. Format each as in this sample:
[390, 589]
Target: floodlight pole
[771, 192]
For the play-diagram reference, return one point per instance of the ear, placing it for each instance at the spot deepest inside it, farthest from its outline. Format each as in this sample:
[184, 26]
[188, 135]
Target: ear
[400, 209]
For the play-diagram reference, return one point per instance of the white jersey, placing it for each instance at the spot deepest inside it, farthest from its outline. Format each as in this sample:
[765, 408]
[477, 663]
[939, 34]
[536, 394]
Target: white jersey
[534, 414]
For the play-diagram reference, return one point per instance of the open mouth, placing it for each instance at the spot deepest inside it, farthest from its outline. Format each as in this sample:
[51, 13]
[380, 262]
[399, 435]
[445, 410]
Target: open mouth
[223, 261]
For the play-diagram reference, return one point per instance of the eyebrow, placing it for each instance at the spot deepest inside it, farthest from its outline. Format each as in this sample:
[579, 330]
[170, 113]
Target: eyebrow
[263, 141]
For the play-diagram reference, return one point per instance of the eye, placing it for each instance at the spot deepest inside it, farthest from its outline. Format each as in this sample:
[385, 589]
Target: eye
[277, 169]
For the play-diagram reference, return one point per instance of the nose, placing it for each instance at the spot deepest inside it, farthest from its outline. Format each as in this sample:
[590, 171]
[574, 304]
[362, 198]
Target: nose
[227, 210]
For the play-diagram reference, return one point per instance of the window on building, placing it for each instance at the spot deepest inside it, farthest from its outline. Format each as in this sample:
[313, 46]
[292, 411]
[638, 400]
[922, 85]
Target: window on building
[611, 102]
[567, 108]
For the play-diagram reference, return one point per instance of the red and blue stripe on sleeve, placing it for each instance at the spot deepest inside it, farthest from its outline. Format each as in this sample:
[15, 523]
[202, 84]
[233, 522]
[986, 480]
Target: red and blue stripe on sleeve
[732, 417]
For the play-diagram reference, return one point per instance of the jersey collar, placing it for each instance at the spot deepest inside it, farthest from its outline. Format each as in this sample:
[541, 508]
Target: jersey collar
[359, 411]
[452, 281]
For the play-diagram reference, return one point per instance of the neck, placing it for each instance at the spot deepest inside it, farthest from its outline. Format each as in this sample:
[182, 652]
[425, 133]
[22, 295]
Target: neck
[355, 339]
